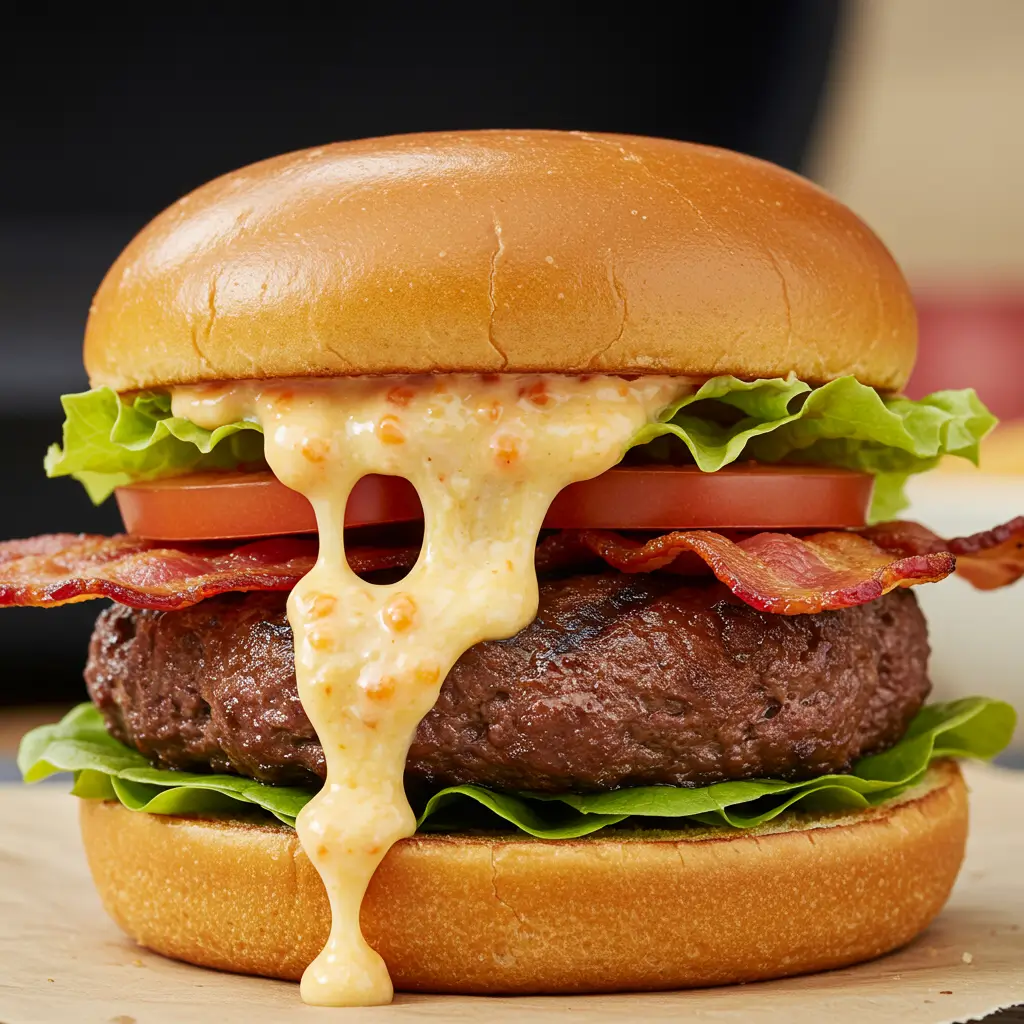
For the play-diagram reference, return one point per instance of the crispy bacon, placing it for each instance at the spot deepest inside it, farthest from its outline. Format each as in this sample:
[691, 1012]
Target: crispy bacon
[988, 560]
[789, 575]
[773, 572]
[63, 568]
[776, 572]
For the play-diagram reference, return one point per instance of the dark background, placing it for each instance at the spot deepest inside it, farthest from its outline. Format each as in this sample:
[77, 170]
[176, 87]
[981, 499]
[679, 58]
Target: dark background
[106, 124]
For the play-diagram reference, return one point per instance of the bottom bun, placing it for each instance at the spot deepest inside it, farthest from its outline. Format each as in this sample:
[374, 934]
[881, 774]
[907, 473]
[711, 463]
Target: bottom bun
[621, 910]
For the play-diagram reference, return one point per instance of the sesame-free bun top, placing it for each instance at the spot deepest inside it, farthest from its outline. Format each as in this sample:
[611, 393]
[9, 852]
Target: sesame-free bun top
[503, 251]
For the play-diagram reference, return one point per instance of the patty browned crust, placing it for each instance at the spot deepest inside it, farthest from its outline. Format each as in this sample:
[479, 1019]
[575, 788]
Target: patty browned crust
[621, 680]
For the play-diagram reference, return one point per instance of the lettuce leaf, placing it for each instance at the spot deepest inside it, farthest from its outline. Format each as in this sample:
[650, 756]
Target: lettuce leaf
[109, 441]
[843, 423]
[106, 769]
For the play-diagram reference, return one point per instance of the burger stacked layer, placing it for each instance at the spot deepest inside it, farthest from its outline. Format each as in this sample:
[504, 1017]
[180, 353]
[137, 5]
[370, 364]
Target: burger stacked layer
[594, 624]
[646, 674]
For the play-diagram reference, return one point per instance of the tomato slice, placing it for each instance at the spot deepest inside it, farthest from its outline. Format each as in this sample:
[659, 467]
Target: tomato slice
[214, 506]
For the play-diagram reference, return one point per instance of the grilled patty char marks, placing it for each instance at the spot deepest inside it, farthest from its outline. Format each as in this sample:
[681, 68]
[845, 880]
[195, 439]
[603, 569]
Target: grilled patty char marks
[622, 680]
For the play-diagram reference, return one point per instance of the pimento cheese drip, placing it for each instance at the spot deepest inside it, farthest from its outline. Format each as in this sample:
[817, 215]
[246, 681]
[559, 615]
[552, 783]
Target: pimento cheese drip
[487, 456]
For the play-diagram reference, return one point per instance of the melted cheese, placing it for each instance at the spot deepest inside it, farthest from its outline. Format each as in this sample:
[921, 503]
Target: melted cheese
[487, 455]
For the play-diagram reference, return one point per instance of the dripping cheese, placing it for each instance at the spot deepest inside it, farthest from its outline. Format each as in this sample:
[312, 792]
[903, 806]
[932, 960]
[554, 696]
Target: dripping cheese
[487, 455]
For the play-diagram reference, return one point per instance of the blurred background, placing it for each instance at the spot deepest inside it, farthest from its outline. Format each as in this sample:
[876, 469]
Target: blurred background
[909, 110]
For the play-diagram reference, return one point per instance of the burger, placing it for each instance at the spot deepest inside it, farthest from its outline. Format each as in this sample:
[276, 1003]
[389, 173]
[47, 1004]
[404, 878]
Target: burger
[511, 598]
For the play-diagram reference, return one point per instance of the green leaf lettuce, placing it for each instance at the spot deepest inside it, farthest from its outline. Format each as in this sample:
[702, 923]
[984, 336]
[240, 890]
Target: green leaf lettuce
[106, 769]
[843, 423]
[109, 441]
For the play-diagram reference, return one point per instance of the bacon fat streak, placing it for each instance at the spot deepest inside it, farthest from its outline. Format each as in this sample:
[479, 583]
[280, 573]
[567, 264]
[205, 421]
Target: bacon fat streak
[772, 572]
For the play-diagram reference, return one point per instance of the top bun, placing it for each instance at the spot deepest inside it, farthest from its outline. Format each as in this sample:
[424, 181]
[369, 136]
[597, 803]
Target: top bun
[503, 251]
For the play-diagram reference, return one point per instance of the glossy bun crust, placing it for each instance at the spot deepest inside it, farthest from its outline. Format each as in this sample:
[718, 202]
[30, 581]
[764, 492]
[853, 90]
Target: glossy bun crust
[503, 251]
[612, 912]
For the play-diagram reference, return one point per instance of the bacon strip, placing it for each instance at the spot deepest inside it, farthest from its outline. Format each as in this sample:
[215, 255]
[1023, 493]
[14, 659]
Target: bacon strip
[773, 572]
[777, 572]
[63, 568]
[987, 560]
[788, 575]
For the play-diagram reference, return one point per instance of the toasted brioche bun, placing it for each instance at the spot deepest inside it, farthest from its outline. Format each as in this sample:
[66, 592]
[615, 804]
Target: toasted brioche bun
[611, 912]
[503, 251]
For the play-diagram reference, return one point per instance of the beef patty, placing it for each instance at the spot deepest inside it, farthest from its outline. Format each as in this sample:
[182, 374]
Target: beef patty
[621, 680]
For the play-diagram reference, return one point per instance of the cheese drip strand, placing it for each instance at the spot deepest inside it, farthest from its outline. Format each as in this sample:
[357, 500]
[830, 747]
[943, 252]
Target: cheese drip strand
[487, 455]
